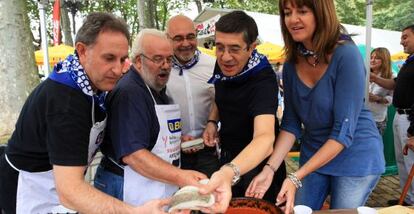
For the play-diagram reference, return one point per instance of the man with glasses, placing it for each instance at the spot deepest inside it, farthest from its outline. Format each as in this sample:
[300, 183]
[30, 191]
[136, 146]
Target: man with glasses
[188, 87]
[246, 103]
[142, 144]
[60, 127]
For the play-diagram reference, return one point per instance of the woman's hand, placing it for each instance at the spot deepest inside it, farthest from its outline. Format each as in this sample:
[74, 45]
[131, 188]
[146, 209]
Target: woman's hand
[287, 194]
[260, 183]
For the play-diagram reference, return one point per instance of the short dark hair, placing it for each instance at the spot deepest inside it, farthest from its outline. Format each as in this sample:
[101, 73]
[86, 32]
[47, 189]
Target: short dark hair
[98, 22]
[238, 22]
[409, 27]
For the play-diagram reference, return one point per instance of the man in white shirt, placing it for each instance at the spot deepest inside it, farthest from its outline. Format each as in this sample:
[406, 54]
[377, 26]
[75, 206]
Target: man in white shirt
[188, 87]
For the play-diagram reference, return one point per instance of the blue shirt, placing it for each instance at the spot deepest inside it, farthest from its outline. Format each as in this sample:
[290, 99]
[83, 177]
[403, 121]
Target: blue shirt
[132, 120]
[334, 109]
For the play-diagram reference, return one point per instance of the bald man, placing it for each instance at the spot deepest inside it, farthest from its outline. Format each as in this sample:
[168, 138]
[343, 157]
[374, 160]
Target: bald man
[188, 87]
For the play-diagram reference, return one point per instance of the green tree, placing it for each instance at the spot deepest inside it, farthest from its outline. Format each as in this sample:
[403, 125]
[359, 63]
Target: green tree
[263, 6]
[387, 14]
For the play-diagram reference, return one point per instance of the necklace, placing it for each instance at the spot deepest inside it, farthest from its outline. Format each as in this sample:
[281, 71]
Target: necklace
[309, 55]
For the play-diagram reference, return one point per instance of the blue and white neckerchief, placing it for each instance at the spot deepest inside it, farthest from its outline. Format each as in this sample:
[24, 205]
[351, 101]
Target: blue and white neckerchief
[188, 65]
[409, 59]
[257, 62]
[71, 73]
[305, 52]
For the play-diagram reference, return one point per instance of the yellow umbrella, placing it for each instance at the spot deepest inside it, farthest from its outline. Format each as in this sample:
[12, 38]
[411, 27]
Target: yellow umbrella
[207, 51]
[400, 56]
[56, 53]
[273, 52]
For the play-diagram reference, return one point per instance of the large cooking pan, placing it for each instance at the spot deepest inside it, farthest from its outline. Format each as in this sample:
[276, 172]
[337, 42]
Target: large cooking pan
[246, 205]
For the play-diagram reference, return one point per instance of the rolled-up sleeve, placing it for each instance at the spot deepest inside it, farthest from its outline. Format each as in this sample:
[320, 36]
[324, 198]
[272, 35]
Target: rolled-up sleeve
[130, 123]
[348, 96]
[290, 121]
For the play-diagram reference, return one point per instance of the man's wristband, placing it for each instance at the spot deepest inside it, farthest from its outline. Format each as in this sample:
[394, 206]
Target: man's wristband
[213, 121]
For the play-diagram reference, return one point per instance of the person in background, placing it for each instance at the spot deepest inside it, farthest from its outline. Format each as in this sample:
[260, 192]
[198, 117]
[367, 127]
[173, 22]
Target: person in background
[188, 87]
[341, 151]
[403, 101]
[144, 130]
[61, 126]
[246, 103]
[379, 97]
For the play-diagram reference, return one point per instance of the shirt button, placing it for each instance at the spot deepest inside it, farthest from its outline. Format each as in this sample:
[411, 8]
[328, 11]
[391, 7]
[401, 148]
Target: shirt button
[346, 119]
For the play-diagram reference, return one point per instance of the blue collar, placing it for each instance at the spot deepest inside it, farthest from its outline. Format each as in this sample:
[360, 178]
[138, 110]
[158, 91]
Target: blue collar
[409, 59]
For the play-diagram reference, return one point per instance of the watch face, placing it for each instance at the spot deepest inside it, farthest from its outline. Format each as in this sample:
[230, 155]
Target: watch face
[235, 180]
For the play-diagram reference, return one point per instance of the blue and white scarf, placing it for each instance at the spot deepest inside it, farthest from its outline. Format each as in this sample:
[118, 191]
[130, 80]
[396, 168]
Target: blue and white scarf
[71, 73]
[188, 65]
[257, 63]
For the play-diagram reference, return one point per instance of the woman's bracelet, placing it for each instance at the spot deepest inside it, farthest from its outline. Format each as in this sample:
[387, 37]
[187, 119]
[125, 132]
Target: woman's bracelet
[295, 180]
[271, 167]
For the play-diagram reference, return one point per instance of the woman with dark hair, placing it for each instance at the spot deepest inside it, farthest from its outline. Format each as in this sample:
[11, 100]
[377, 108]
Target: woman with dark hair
[324, 82]
[380, 98]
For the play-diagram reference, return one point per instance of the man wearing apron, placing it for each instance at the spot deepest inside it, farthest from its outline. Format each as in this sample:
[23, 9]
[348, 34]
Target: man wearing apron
[143, 129]
[61, 125]
[188, 87]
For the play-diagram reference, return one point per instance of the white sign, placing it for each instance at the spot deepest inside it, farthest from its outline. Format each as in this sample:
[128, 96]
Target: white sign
[207, 28]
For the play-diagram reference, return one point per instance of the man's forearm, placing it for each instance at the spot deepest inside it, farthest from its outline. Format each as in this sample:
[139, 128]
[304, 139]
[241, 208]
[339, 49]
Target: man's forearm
[214, 113]
[385, 83]
[151, 166]
[74, 193]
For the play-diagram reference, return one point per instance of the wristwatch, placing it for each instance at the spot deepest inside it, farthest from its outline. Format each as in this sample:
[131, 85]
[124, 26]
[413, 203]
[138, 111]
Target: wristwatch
[236, 170]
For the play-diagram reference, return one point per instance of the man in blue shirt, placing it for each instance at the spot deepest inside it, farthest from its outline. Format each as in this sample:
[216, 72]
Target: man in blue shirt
[144, 131]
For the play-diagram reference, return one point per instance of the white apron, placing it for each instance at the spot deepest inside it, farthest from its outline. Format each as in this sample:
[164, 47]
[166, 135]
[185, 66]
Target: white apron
[36, 191]
[137, 188]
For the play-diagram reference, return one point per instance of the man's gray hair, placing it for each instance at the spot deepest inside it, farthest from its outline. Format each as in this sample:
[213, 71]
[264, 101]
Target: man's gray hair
[138, 46]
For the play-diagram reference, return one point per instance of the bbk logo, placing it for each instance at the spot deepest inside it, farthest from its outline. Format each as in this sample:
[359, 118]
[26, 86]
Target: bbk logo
[174, 125]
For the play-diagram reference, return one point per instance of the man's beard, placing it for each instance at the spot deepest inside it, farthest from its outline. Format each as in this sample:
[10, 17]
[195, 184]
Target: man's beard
[151, 80]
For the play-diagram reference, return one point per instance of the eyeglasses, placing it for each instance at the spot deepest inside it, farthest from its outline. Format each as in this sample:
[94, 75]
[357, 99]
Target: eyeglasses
[232, 50]
[190, 37]
[159, 60]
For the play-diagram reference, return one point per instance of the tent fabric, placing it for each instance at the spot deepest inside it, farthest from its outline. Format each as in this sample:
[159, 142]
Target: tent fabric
[56, 53]
[273, 52]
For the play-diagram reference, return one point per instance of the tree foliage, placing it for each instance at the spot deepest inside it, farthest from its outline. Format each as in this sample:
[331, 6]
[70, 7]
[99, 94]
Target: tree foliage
[387, 14]
[263, 6]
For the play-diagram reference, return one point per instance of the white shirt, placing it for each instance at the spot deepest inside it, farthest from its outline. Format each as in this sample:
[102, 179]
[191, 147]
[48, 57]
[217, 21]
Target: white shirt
[194, 95]
[379, 110]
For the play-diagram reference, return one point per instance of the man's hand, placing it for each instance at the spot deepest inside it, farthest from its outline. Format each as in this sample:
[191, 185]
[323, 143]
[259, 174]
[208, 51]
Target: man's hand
[186, 138]
[153, 207]
[220, 186]
[190, 177]
[210, 135]
[409, 145]
[260, 183]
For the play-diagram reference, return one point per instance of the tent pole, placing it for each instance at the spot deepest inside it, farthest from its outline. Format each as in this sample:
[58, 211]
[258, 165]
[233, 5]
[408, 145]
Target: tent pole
[42, 5]
[368, 45]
